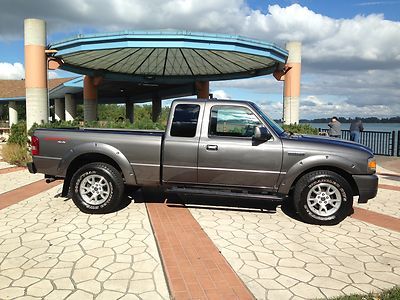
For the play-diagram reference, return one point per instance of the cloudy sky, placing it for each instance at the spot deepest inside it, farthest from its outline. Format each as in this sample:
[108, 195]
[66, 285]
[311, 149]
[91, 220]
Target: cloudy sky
[351, 48]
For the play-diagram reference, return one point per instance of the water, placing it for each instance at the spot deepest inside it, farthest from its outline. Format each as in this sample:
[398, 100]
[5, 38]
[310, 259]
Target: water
[367, 126]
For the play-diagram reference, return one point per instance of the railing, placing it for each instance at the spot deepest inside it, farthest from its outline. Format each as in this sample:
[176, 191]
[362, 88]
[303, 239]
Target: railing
[381, 142]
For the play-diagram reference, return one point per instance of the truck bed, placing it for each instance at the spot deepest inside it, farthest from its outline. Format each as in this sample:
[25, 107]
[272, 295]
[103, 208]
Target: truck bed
[142, 148]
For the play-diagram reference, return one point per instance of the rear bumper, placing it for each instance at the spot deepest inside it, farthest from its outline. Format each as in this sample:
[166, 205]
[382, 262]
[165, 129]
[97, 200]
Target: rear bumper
[367, 187]
[31, 168]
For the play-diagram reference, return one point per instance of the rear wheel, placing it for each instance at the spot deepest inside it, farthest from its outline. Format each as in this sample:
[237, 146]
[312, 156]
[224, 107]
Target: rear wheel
[323, 197]
[97, 188]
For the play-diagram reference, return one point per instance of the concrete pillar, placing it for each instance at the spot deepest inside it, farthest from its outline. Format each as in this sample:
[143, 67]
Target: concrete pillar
[35, 72]
[12, 113]
[156, 109]
[89, 99]
[59, 109]
[291, 90]
[129, 110]
[70, 107]
[203, 89]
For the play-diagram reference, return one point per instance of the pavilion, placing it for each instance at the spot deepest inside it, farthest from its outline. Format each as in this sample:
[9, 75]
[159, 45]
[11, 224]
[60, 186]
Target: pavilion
[135, 67]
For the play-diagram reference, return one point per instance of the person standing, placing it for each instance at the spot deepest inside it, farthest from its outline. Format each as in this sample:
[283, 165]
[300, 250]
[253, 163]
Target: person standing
[356, 128]
[334, 128]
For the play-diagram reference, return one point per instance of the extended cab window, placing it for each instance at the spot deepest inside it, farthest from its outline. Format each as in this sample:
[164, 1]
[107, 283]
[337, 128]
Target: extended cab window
[184, 123]
[235, 121]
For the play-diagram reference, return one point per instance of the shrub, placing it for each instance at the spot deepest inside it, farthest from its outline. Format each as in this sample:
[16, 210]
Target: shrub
[300, 129]
[18, 134]
[56, 124]
[15, 154]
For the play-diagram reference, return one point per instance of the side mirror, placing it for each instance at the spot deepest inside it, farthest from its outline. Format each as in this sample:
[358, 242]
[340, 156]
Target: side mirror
[261, 134]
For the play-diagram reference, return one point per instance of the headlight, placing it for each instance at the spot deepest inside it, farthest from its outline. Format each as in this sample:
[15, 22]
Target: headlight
[372, 164]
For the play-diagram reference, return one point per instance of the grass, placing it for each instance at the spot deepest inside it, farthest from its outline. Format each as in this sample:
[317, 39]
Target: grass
[391, 294]
[15, 154]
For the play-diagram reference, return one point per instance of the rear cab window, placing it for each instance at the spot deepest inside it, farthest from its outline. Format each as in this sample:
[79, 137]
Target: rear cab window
[184, 122]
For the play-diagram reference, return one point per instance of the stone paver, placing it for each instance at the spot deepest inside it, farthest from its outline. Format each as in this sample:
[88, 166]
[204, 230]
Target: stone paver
[277, 255]
[386, 202]
[14, 180]
[4, 165]
[49, 249]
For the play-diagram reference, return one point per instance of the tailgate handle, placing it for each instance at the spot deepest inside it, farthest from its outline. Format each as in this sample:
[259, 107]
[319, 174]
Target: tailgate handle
[212, 147]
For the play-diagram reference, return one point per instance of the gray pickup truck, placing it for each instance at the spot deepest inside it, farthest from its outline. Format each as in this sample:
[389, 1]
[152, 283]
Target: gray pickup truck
[210, 147]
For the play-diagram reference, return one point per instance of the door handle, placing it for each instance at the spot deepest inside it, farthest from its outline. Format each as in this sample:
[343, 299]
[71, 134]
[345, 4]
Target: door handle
[212, 147]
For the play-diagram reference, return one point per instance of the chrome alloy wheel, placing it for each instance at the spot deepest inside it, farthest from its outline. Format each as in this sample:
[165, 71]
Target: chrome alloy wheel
[324, 199]
[94, 189]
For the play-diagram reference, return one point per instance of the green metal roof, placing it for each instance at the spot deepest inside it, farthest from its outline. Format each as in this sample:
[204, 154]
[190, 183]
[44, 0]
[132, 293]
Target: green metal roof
[168, 57]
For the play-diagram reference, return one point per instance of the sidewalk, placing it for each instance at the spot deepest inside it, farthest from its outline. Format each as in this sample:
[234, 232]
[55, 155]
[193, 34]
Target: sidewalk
[390, 163]
[49, 249]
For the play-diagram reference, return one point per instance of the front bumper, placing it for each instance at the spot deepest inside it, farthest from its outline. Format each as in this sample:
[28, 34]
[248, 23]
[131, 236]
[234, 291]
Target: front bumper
[31, 167]
[367, 186]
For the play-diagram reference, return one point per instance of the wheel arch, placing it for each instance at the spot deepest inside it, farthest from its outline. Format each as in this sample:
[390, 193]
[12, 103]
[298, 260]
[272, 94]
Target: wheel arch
[347, 176]
[94, 152]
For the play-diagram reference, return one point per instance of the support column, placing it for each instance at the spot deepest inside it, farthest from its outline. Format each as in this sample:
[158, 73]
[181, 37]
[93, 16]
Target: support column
[156, 109]
[89, 99]
[59, 109]
[203, 89]
[129, 110]
[37, 110]
[70, 107]
[12, 113]
[291, 91]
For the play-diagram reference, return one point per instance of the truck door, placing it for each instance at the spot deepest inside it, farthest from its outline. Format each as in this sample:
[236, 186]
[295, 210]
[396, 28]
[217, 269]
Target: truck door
[228, 155]
[181, 143]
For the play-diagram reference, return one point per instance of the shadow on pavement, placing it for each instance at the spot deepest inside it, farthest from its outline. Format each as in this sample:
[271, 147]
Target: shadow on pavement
[153, 195]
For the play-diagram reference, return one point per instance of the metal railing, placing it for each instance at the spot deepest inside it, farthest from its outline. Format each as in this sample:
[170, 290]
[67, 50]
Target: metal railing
[381, 142]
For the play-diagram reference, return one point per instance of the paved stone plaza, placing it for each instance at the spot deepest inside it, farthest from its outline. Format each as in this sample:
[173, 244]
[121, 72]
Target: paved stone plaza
[279, 258]
[50, 250]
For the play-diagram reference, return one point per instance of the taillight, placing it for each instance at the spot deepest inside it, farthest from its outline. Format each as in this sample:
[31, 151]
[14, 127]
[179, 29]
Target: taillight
[35, 145]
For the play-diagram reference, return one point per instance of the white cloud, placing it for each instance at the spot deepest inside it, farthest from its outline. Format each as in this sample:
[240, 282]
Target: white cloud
[221, 94]
[368, 38]
[320, 107]
[53, 74]
[11, 71]
[17, 71]
[355, 60]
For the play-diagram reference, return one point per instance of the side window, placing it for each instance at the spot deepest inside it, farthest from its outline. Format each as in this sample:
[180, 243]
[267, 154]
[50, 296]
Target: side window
[185, 119]
[235, 121]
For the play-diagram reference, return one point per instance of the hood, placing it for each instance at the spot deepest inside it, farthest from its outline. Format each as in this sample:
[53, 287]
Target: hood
[321, 140]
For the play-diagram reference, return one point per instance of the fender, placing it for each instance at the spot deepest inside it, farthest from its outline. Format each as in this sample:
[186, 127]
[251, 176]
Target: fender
[99, 148]
[314, 161]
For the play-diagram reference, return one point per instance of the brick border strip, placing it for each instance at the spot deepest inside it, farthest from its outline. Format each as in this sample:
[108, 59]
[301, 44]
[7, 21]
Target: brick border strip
[11, 169]
[194, 267]
[375, 218]
[388, 174]
[389, 187]
[25, 192]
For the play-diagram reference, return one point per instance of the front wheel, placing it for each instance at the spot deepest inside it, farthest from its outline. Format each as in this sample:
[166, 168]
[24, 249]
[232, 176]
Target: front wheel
[97, 188]
[323, 197]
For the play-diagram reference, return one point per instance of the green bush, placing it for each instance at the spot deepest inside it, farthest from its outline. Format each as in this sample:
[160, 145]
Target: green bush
[18, 134]
[300, 129]
[56, 124]
[15, 154]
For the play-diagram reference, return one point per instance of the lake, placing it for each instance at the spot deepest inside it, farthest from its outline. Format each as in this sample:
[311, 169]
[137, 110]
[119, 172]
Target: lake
[367, 126]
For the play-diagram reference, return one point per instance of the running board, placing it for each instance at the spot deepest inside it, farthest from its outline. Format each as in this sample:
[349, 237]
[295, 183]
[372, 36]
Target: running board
[220, 193]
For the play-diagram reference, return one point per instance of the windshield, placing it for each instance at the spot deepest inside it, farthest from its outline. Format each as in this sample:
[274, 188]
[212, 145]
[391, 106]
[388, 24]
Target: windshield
[278, 129]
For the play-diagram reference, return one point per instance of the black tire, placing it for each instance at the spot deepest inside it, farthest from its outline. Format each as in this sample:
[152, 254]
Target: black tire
[99, 181]
[326, 190]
